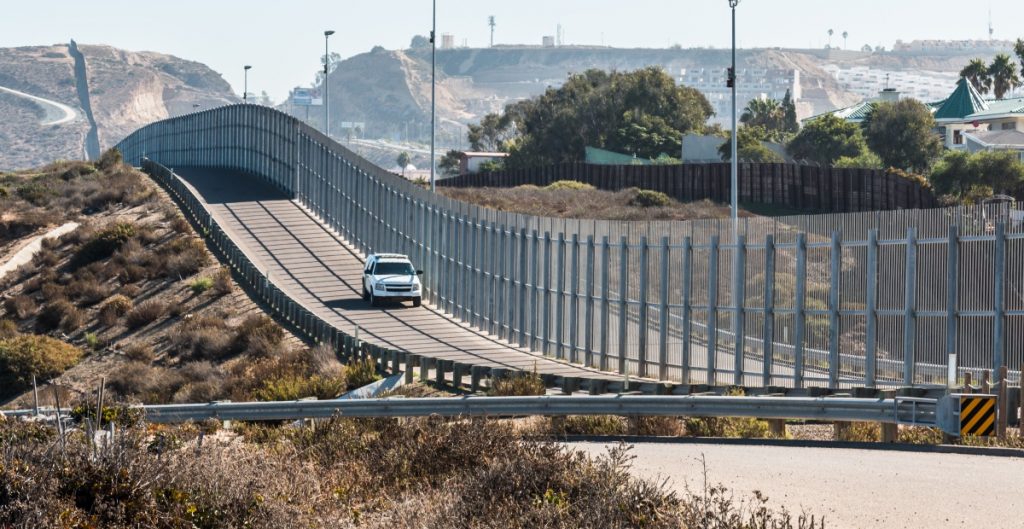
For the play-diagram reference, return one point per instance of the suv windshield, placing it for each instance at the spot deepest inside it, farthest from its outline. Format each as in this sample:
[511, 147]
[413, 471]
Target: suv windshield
[394, 269]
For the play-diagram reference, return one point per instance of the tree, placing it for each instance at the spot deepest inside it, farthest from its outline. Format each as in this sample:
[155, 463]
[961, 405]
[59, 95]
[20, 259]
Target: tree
[830, 32]
[492, 134]
[970, 177]
[1000, 170]
[789, 122]
[1004, 75]
[827, 139]
[641, 112]
[866, 160]
[900, 133]
[749, 147]
[1018, 48]
[766, 113]
[845, 34]
[420, 41]
[403, 160]
[449, 163]
[977, 73]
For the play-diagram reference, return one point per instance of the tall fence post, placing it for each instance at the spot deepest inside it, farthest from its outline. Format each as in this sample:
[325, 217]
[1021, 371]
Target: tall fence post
[910, 308]
[833, 310]
[546, 308]
[606, 251]
[642, 330]
[801, 312]
[623, 306]
[574, 297]
[560, 300]
[871, 313]
[768, 331]
[999, 318]
[588, 315]
[712, 359]
[952, 274]
[521, 298]
[534, 290]
[663, 315]
[687, 285]
[739, 279]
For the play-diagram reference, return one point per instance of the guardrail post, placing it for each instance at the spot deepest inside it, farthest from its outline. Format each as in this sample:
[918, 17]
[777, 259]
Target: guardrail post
[999, 306]
[545, 310]
[712, 339]
[642, 329]
[870, 312]
[623, 296]
[910, 308]
[687, 316]
[560, 300]
[411, 361]
[739, 276]
[588, 313]
[768, 332]
[606, 251]
[833, 310]
[663, 315]
[801, 314]
[459, 370]
[425, 363]
[952, 274]
[574, 297]
[476, 373]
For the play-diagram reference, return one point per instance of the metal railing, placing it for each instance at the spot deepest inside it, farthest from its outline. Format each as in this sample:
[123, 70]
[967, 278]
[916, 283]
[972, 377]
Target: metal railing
[876, 299]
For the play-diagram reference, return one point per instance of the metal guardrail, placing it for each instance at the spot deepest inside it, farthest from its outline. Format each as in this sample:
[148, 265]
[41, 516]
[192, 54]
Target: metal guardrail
[822, 408]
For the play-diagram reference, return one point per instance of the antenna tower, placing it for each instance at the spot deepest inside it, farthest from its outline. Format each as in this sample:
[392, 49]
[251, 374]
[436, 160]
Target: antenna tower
[490, 22]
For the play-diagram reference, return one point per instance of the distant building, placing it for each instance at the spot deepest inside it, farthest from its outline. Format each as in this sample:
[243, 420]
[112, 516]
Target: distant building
[469, 162]
[751, 83]
[548, 41]
[947, 46]
[447, 41]
[866, 82]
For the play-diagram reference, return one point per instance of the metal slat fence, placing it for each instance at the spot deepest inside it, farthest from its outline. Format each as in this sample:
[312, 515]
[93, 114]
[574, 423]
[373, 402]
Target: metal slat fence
[876, 299]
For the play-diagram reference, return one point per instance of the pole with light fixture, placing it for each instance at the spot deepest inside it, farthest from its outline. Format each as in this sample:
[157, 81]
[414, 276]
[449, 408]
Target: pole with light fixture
[433, 90]
[245, 86]
[327, 71]
[734, 163]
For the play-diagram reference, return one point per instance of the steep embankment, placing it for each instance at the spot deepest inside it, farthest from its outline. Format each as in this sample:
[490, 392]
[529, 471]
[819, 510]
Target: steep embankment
[92, 138]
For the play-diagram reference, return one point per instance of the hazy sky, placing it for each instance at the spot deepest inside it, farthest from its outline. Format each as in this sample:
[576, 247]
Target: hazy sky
[284, 40]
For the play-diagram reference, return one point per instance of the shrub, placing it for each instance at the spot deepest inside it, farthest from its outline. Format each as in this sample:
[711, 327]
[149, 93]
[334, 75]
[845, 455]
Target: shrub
[645, 198]
[34, 193]
[110, 159]
[52, 291]
[222, 282]
[185, 257]
[8, 329]
[25, 355]
[139, 352]
[360, 373]
[202, 342]
[117, 306]
[518, 384]
[746, 427]
[568, 184]
[201, 284]
[145, 313]
[46, 257]
[59, 314]
[93, 341]
[88, 291]
[258, 335]
[180, 225]
[103, 244]
[294, 387]
[21, 306]
[863, 432]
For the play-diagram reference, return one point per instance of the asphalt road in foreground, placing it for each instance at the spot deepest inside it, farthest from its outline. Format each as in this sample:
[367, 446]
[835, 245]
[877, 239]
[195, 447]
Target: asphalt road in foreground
[850, 488]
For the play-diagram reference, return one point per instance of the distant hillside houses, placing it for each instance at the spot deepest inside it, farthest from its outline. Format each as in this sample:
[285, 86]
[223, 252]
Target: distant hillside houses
[946, 46]
[866, 82]
[751, 83]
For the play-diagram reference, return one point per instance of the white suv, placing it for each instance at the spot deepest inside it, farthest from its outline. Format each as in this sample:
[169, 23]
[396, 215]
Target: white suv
[391, 277]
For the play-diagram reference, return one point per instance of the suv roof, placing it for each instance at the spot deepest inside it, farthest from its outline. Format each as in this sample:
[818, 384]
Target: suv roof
[390, 256]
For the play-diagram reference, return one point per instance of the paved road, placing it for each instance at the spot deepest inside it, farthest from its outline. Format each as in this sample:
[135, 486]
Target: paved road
[56, 113]
[851, 488]
[314, 268]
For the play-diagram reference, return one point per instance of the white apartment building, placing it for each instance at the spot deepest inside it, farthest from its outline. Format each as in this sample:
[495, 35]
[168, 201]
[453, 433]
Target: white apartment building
[752, 83]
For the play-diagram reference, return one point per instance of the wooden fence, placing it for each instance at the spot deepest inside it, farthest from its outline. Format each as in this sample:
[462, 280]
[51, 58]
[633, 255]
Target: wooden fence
[801, 187]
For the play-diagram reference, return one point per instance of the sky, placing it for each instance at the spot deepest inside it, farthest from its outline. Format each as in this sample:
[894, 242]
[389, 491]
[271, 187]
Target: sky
[283, 41]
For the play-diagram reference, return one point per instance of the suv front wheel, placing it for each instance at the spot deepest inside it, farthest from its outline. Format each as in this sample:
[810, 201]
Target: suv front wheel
[416, 302]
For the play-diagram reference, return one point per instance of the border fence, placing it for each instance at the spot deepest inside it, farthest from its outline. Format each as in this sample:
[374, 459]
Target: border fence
[874, 299]
[795, 186]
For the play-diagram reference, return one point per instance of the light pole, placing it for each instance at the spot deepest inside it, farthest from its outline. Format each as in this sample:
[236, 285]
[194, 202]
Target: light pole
[245, 87]
[433, 89]
[327, 100]
[733, 166]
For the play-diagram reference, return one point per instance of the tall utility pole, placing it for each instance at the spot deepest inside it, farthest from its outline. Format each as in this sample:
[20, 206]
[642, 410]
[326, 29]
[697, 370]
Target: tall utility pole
[433, 90]
[327, 71]
[733, 169]
[245, 86]
[490, 22]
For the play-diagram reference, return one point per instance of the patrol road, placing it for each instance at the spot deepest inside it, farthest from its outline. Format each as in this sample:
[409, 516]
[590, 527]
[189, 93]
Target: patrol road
[852, 488]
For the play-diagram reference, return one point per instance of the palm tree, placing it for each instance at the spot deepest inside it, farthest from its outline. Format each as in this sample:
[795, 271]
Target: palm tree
[1004, 75]
[767, 113]
[845, 34]
[830, 32]
[403, 161]
[977, 73]
[1018, 48]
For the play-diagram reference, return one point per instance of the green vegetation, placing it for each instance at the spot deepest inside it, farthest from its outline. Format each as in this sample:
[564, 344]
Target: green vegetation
[200, 285]
[826, 139]
[25, 355]
[1005, 75]
[103, 244]
[749, 147]
[568, 184]
[901, 134]
[645, 198]
[977, 73]
[962, 176]
[866, 160]
[518, 384]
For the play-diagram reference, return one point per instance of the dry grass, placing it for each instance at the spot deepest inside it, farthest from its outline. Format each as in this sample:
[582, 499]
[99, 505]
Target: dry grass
[628, 204]
[145, 313]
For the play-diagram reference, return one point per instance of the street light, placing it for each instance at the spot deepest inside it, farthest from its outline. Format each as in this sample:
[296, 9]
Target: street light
[245, 89]
[433, 90]
[327, 100]
[733, 166]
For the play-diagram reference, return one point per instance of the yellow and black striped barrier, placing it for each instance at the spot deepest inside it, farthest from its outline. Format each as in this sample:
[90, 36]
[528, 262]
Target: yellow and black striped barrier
[977, 415]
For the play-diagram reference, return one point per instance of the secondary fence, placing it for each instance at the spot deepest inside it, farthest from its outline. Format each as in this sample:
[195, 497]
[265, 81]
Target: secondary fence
[803, 187]
[875, 299]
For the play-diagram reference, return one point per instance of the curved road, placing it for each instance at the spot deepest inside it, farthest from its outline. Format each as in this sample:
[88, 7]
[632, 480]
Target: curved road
[852, 488]
[56, 113]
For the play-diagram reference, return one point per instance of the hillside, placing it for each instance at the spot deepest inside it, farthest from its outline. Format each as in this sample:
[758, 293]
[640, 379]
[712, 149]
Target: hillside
[124, 90]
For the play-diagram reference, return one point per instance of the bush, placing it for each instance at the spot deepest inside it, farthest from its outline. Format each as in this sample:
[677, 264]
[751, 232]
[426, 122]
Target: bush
[361, 373]
[200, 342]
[568, 184]
[222, 282]
[180, 225]
[258, 336]
[93, 341]
[185, 257]
[518, 384]
[52, 291]
[88, 291]
[200, 285]
[145, 314]
[34, 193]
[861, 432]
[110, 159]
[60, 314]
[21, 306]
[294, 387]
[103, 244]
[645, 198]
[113, 309]
[25, 355]
[8, 329]
[139, 352]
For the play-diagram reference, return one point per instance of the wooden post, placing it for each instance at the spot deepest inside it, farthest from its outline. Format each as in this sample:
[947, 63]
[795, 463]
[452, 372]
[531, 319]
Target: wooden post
[986, 386]
[967, 383]
[777, 427]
